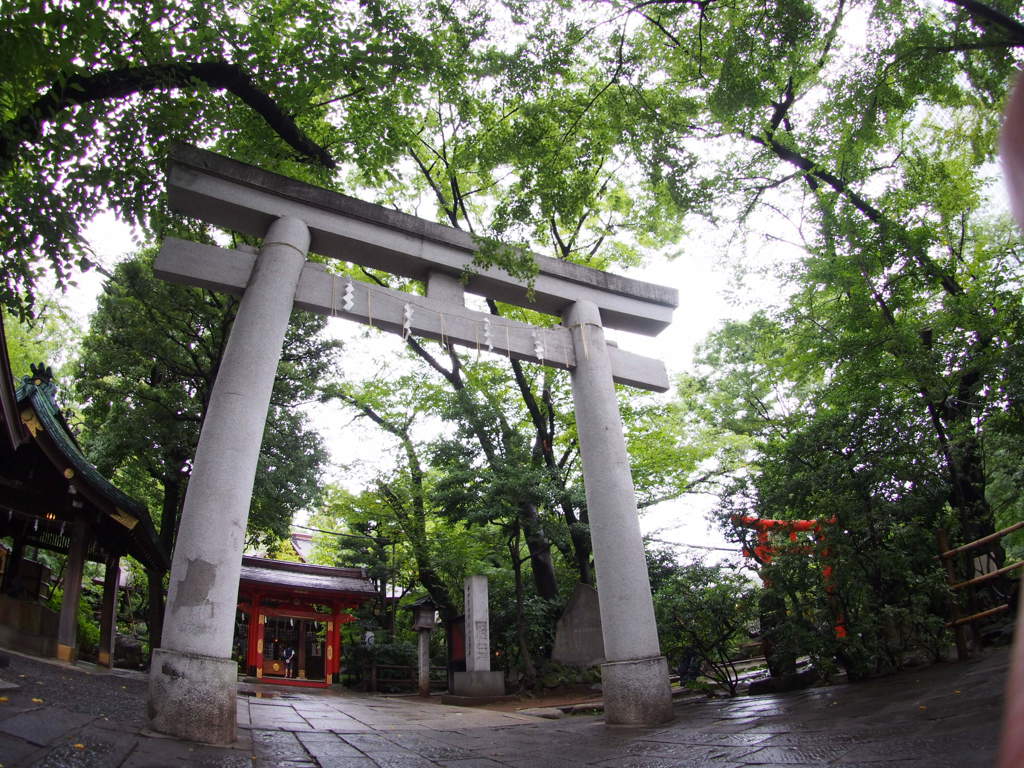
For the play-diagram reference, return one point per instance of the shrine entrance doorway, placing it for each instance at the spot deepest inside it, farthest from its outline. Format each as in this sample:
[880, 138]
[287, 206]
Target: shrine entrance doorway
[308, 638]
[296, 606]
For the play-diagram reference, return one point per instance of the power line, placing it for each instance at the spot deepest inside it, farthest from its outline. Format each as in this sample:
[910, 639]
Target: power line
[376, 540]
[694, 546]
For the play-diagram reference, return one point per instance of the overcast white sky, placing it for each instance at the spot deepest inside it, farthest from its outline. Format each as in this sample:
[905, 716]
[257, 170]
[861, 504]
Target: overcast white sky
[707, 296]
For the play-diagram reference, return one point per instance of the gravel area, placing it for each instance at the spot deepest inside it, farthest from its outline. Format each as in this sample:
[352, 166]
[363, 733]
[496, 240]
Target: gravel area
[119, 695]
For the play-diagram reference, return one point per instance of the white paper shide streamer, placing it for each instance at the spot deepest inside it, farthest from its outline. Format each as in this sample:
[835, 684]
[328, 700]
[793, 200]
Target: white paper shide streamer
[347, 300]
[488, 340]
[407, 312]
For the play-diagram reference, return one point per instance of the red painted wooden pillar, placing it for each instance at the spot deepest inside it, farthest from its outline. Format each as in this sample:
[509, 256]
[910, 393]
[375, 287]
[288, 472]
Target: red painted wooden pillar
[251, 661]
[331, 650]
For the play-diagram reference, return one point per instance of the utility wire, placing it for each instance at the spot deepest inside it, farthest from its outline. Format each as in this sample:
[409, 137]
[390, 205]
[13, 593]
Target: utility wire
[380, 540]
[694, 546]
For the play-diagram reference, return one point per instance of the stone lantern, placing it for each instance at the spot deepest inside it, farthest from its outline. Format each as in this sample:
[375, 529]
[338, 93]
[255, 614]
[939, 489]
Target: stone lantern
[424, 613]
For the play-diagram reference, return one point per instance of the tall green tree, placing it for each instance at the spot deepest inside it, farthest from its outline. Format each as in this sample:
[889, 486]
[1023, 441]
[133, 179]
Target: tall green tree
[46, 338]
[876, 146]
[92, 95]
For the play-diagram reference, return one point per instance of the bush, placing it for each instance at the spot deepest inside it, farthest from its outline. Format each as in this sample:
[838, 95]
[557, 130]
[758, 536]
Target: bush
[703, 613]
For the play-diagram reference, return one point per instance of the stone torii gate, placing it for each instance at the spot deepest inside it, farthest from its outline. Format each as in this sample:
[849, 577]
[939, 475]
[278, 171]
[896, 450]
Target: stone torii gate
[192, 677]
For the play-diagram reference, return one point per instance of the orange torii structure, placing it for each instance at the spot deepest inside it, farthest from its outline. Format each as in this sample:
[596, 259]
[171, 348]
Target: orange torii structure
[764, 550]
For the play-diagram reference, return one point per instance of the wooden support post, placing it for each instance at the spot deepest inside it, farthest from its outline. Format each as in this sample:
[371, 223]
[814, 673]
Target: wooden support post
[959, 631]
[108, 617]
[12, 578]
[261, 634]
[67, 628]
[253, 627]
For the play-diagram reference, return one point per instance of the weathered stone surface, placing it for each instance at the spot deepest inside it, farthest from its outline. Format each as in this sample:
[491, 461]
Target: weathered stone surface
[43, 730]
[128, 653]
[242, 197]
[193, 679]
[279, 747]
[875, 724]
[790, 682]
[635, 679]
[548, 713]
[578, 640]
[637, 692]
[192, 696]
[478, 622]
[223, 269]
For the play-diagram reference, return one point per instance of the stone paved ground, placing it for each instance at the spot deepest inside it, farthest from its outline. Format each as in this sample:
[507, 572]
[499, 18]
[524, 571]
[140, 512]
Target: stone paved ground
[946, 715]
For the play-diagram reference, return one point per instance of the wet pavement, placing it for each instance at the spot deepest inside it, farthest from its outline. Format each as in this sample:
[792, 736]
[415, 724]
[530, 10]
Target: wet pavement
[946, 715]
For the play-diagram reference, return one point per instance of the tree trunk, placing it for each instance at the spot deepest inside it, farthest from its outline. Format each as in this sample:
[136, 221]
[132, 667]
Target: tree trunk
[529, 669]
[579, 533]
[155, 620]
[155, 580]
[537, 542]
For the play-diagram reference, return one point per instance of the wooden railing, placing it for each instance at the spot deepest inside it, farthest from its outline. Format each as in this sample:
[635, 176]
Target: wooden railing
[957, 622]
[389, 677]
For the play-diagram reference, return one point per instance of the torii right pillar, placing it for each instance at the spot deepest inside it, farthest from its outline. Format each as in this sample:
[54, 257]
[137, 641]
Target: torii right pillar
[634, 678]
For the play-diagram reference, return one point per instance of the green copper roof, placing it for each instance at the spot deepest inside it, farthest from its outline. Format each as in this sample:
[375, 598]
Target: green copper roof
[39, 392]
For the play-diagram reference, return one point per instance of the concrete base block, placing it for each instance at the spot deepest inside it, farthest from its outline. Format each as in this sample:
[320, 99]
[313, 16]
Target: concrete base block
[193, 697]
[636, 692]
[490, 683]
[474, 701]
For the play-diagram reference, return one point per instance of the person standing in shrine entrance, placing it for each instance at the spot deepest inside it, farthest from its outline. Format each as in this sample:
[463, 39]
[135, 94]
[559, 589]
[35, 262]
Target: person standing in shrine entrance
[289, 661]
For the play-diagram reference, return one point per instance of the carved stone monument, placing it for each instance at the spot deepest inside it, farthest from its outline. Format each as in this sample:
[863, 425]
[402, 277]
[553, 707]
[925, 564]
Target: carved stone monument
[478, 679]
[578, 637]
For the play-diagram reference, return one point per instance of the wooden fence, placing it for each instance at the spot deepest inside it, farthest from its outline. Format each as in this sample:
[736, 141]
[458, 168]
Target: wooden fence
[392, 678]
[957, 622]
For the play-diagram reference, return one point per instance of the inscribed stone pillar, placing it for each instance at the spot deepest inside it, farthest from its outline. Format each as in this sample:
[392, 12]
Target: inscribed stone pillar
[108, 613]
[423, 683]
[635, 676]
[478, 624]
[192, 677]
[478, 680]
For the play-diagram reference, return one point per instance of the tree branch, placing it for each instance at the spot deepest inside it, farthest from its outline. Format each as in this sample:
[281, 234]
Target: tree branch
[873, 214]
[986, 13]
[118, 83]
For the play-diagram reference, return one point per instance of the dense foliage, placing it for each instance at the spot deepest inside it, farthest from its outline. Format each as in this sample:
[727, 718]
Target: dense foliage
[884, 391]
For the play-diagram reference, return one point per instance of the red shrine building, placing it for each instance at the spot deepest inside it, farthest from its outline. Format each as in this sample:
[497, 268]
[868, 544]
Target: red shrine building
[288, 625]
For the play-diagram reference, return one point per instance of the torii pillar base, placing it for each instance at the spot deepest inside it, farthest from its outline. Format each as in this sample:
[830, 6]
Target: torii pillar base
[635, 692]
[193, 697]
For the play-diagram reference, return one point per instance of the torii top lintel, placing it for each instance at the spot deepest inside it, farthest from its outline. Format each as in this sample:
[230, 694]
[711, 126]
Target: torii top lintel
[230, 194]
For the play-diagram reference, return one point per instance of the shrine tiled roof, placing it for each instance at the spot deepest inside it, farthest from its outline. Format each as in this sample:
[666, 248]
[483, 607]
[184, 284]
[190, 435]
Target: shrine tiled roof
[303, 577]
[124, 518]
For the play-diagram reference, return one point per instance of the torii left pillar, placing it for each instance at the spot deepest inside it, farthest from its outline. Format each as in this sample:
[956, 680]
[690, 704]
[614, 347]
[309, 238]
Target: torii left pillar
[192, 677]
